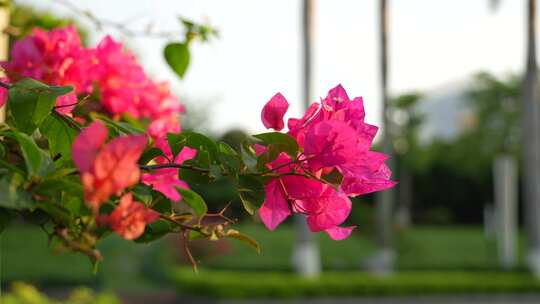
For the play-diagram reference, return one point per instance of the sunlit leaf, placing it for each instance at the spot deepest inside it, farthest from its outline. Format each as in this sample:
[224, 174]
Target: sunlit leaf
[177, 57]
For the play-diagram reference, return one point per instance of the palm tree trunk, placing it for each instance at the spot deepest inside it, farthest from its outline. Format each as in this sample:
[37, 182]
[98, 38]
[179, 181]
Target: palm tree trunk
[384, 261]
[531, 145]
[306, 258]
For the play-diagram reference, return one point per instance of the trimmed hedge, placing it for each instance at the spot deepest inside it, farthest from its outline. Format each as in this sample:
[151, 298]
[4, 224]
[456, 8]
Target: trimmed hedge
[226, 284]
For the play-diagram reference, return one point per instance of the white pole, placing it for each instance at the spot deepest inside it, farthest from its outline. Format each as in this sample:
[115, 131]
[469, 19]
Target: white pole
[505, 186]
[306, 258]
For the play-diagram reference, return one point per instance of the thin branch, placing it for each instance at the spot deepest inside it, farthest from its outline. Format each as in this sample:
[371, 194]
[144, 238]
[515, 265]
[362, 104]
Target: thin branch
[100, 23]
[184, 226]
[173, 165]
[221, 214]
[185, 239]
[63, 234]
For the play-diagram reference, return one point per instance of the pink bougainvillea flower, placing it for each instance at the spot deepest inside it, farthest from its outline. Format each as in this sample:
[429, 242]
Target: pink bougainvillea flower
[366, 174]
[56, 57]
[324, 207]
[273, 112]
[329, 143]
[333, 136]
[106, 169]
[166, 180]
[275, 208]
[130, 218]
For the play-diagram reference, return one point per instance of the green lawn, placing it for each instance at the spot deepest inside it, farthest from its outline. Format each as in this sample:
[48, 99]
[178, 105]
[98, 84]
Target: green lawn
[26, 256]
[434, 250]
[421, 248]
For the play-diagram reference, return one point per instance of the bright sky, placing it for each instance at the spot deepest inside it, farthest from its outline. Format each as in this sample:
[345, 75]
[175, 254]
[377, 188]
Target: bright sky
[432, 44]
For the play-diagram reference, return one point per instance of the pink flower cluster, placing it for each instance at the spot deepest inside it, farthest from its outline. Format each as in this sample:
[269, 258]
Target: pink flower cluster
[333, 136]
[107, 169]
[57, 57]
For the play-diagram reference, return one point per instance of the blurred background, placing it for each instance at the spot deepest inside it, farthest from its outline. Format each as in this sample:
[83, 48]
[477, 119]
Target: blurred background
[453, 86]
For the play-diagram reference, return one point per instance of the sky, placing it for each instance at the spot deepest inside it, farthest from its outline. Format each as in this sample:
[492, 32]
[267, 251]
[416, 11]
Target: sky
[432, 44]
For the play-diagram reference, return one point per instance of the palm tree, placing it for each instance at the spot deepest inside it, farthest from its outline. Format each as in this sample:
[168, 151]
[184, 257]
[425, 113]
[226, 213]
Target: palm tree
[306, 257]
[531, 142]
[383, 260]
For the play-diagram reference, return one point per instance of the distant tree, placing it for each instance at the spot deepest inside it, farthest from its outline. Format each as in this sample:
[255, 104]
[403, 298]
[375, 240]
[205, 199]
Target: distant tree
[496, 107]
[407, 122]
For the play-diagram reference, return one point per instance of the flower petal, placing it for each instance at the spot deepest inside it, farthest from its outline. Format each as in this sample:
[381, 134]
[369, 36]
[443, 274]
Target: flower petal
[87, 144]
[339, 233]
[328, 211]
[275, 208]
[114, 169]
[130, 218]
[273, 112]
[336, 95]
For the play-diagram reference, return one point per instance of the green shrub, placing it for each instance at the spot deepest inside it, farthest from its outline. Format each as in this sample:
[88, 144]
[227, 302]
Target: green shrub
[22, 293]
[226, 284]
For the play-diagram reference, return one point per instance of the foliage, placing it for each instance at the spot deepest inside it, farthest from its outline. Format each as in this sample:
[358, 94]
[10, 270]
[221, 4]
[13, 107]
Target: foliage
[408, 122]
[453, 177]
[22, 293]
[496, 105]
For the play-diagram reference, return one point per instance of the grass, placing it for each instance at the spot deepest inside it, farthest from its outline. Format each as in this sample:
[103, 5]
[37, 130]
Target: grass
[421, 248]
[228, 284]
[26, 255]
[429, 258]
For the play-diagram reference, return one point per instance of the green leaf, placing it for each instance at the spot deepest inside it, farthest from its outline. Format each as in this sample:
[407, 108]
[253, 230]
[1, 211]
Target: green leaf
[177, 57]
[60, 137]
[35, 159]
[121, 127]
[31, 101]
[194, 200]
[58, 213]
[75, 205]
[284, 142]
[194, 140]
[267, 156]
[143, 194]
[56, 186]
[150, 154]
[195, 177]
[251, 192]
[12, 196]
[231, 233]
[248, 155]
[154, 231]
[230, 159]
[195, 235]
[161, 204]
